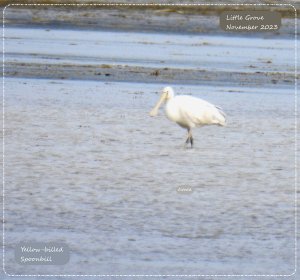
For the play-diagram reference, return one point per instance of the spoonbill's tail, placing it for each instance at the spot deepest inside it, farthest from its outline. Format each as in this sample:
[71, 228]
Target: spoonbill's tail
[221, 117]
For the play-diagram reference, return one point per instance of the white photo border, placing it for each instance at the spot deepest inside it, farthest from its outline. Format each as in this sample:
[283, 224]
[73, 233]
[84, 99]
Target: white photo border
[148, 275]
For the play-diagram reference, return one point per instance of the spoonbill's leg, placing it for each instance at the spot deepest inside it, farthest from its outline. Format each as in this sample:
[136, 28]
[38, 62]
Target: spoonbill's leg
[189, 138]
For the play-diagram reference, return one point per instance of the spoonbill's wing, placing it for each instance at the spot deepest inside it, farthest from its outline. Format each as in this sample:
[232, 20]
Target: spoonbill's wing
[200, 112]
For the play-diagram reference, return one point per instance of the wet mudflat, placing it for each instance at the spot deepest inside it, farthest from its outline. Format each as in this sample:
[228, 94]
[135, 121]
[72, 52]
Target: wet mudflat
[86, 165]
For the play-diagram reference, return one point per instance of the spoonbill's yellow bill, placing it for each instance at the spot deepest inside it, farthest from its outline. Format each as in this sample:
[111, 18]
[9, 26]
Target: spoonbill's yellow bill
[189, 112]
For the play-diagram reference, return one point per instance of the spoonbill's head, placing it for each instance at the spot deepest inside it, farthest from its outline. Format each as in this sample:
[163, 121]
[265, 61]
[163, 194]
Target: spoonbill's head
[166, 94]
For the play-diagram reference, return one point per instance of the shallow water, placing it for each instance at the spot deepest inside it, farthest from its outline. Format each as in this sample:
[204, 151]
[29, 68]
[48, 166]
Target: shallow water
[85, 164]
[211, 53]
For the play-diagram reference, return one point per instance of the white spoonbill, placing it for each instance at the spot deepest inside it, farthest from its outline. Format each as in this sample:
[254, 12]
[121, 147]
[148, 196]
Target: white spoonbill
[189, 112]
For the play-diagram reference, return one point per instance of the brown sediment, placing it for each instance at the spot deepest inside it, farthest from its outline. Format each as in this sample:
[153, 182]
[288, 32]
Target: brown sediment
[120, 73]
[177, 19]
[157, 6]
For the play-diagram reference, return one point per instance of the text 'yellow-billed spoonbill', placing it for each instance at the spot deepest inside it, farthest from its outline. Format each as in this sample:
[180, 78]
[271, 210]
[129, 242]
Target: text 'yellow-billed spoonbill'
[189, 112]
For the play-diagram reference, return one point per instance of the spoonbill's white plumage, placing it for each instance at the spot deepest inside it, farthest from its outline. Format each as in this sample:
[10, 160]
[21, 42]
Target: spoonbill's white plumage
[189, 112]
